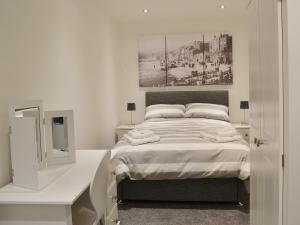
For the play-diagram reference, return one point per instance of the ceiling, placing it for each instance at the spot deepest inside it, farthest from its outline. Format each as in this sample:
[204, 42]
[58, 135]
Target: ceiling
[132, 10]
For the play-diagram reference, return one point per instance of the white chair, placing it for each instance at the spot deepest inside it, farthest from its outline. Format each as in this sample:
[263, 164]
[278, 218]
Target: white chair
[94, 213]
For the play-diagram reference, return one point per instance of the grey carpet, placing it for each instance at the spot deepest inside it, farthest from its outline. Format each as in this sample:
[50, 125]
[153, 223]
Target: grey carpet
[156, 213]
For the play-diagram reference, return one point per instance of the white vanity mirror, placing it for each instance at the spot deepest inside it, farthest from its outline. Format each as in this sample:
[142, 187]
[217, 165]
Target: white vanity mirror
[60, 137]
[42, 144]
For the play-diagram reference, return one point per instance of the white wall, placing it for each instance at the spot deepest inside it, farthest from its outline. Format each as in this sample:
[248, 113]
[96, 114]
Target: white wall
[63, 53]
[128, 83]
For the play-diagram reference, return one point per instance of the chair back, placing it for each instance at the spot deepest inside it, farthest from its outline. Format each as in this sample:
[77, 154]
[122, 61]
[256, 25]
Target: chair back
[98, 187]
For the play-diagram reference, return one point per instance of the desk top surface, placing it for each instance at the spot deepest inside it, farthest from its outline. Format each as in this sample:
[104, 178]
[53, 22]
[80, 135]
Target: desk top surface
[65, 189]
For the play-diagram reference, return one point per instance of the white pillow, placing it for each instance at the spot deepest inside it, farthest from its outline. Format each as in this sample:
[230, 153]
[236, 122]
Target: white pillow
[209, 111]
[207, 105]
[164, 111]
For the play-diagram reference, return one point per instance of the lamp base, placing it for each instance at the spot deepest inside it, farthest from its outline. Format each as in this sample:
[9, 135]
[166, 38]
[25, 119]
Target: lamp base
[244, 120]
[131, 123]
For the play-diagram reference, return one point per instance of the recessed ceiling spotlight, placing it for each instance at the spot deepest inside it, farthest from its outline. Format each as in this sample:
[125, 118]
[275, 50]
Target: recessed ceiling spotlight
[145, 10]
[222, 6]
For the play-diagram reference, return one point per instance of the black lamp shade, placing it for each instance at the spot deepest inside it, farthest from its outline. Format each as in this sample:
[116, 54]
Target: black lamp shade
[244, 105]
[131, 107]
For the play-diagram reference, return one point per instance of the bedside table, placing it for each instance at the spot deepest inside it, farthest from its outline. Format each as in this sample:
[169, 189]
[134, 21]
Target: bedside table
[123, 129]
[243, 129]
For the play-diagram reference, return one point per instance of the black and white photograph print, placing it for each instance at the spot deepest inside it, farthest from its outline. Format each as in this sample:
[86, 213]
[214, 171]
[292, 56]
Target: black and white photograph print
[199, 59]
[218, 60]
[186, 60]
[152, 61]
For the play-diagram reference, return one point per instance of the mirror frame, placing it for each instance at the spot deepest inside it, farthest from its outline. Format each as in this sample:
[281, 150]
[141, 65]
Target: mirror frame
[32, 104]
[71, 157]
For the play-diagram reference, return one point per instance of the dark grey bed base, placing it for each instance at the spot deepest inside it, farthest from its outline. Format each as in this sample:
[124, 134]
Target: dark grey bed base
[200, 190]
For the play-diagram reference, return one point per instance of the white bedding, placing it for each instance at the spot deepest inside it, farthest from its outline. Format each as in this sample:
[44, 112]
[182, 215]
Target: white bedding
[183, 152]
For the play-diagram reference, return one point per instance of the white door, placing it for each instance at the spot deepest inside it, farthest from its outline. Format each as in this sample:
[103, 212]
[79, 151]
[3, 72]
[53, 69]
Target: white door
[255, 112]
[265, 96]
[271, 107]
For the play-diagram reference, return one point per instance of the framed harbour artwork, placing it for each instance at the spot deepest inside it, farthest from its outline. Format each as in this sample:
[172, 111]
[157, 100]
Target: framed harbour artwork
[186, 60]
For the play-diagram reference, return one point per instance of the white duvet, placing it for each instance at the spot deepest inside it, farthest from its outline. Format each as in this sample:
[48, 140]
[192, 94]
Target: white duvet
[189, 148]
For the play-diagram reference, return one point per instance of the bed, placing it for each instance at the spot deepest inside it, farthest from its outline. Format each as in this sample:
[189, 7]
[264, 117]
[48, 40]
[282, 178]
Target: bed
[182, 167]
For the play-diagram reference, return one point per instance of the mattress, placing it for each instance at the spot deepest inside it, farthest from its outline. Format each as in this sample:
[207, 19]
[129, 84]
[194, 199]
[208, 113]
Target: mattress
[182, 153]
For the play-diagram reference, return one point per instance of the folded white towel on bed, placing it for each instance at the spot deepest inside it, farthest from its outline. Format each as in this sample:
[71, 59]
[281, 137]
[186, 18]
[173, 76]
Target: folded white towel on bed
[140, 134]
[141, 141]
[220, 139]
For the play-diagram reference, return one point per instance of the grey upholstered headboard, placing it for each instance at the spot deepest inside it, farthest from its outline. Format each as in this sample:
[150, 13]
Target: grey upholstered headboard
[186, 97]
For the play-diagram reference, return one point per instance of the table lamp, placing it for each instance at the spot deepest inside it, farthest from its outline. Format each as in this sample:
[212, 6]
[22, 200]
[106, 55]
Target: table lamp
[244, 105]
[131, 107]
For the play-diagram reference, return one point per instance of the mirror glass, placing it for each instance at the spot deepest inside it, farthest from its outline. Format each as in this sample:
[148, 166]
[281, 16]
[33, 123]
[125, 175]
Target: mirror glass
[59, 136]
[59, 127]
[35, 113]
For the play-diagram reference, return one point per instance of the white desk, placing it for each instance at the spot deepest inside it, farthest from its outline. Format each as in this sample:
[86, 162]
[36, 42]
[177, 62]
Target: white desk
[53, 204]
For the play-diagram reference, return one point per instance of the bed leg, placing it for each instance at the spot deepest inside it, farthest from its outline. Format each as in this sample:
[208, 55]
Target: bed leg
[240, 204]
[120, 202]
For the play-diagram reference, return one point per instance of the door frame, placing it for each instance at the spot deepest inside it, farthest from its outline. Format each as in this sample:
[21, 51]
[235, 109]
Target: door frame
[281, 106]
[291, 179]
